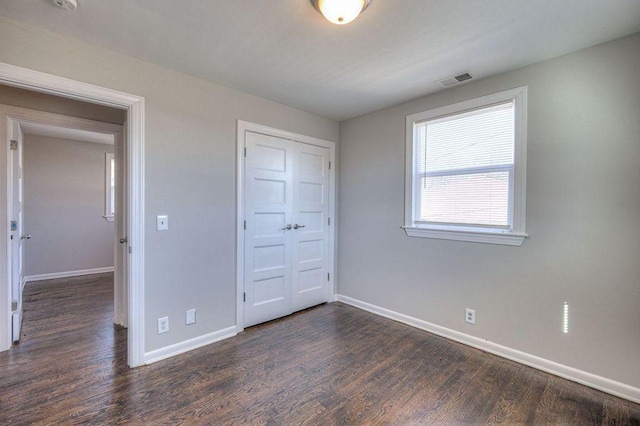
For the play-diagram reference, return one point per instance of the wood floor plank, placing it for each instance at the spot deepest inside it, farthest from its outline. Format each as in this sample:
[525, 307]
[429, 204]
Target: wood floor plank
[332, 364]
[615, 412]
[517, 403]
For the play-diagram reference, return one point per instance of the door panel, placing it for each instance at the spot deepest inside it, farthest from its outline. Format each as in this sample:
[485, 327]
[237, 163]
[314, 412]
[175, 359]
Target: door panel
[16, 200]
[121, 255]
[268, 203]
[311, 240]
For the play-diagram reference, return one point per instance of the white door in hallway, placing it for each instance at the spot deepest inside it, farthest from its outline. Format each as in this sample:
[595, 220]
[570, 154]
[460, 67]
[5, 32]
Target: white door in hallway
[121, 255]
[18, 236]
[286, 259]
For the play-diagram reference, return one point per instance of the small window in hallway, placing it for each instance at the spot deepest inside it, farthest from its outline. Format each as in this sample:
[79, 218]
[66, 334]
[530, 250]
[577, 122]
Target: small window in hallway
[110, 187]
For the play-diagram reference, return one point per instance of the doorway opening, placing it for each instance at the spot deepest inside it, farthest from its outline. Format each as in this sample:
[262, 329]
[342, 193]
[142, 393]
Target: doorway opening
[63, 199]
[132, 133]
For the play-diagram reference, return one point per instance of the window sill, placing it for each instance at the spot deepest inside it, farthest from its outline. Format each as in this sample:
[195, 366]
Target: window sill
[508, 239]
[108, 218]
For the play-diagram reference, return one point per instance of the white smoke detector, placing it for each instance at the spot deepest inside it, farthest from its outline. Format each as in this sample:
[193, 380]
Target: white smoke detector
[66, 4]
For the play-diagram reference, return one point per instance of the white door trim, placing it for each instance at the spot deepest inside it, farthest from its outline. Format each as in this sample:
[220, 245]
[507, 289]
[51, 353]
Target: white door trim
[243, 127]
[134, 105]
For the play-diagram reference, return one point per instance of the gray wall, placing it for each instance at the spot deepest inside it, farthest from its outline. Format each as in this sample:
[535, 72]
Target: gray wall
[190, 168]
[64, 205]
[583, 218]
[43, 102]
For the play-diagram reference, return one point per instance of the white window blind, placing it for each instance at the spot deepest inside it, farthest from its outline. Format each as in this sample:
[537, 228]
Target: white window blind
[110, 186]
[464, 168]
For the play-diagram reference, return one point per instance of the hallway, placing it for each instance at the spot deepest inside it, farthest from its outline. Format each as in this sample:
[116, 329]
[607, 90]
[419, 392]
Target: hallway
[69, 349]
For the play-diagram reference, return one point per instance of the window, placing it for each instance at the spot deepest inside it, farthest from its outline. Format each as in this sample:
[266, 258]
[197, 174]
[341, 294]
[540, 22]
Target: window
[110, 186]
[466, 170]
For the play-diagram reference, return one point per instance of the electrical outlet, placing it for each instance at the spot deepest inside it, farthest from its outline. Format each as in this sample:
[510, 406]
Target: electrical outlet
[163, 325]
[470, 316]
[191, 317]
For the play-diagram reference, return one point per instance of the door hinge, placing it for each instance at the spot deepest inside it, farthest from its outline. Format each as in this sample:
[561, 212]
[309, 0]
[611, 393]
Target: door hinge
[245, 224]
[329, 165]
[328, 277]
[13, 145]
[329, 221]
[244, 297]
[245, 152]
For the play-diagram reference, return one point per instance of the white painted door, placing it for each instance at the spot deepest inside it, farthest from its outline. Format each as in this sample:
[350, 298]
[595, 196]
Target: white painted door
[121, 257]
[18, 236]
[286, 235]
[269, 217]
[311, 232]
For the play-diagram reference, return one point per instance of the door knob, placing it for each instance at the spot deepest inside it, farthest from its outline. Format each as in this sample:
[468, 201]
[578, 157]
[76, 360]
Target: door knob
[286, 228]
[123, 240]
[25, 237]
[296, 226]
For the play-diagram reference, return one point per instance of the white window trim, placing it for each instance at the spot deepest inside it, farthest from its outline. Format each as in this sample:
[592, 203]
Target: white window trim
[514, 236]
[108, 216]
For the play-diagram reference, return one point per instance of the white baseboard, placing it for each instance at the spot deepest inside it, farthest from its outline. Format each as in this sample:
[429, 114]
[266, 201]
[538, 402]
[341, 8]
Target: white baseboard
[67, 274]
[188, 345]
[597, 382]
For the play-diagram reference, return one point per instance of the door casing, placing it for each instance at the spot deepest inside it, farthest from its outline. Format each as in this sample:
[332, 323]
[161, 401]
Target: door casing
[134, 105]
[242, 128]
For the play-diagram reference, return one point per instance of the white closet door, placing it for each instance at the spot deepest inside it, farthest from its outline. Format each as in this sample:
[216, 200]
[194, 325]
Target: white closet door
[268, 206]
[310, 214]
[286, 258]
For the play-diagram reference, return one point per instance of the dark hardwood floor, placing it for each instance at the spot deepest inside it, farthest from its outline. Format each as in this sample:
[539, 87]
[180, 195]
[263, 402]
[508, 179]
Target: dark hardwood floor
[333, 364]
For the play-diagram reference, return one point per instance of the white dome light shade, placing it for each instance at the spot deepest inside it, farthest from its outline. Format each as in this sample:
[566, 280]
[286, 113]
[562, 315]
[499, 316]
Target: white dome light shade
[340, 12]
[66, 4]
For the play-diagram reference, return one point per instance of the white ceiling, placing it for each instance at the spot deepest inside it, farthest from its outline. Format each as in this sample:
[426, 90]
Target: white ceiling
[65, 133]
[285, 51]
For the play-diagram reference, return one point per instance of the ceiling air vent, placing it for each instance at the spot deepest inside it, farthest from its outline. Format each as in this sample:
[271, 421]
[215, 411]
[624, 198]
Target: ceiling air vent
[452, 81]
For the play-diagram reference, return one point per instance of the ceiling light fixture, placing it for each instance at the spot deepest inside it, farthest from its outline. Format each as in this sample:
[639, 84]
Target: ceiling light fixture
[66, 4]
[340, 12]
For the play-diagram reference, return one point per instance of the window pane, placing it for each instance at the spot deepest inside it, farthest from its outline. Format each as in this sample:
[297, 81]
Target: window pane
[113, 186]
[480, 138]
[113, 173]
[474, 199]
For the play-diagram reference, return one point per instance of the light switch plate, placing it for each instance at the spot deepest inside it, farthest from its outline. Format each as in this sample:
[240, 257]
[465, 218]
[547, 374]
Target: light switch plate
[162, 223]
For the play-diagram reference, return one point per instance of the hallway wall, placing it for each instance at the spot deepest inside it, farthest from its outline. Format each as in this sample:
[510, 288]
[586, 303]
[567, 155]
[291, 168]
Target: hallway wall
[64, 193]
